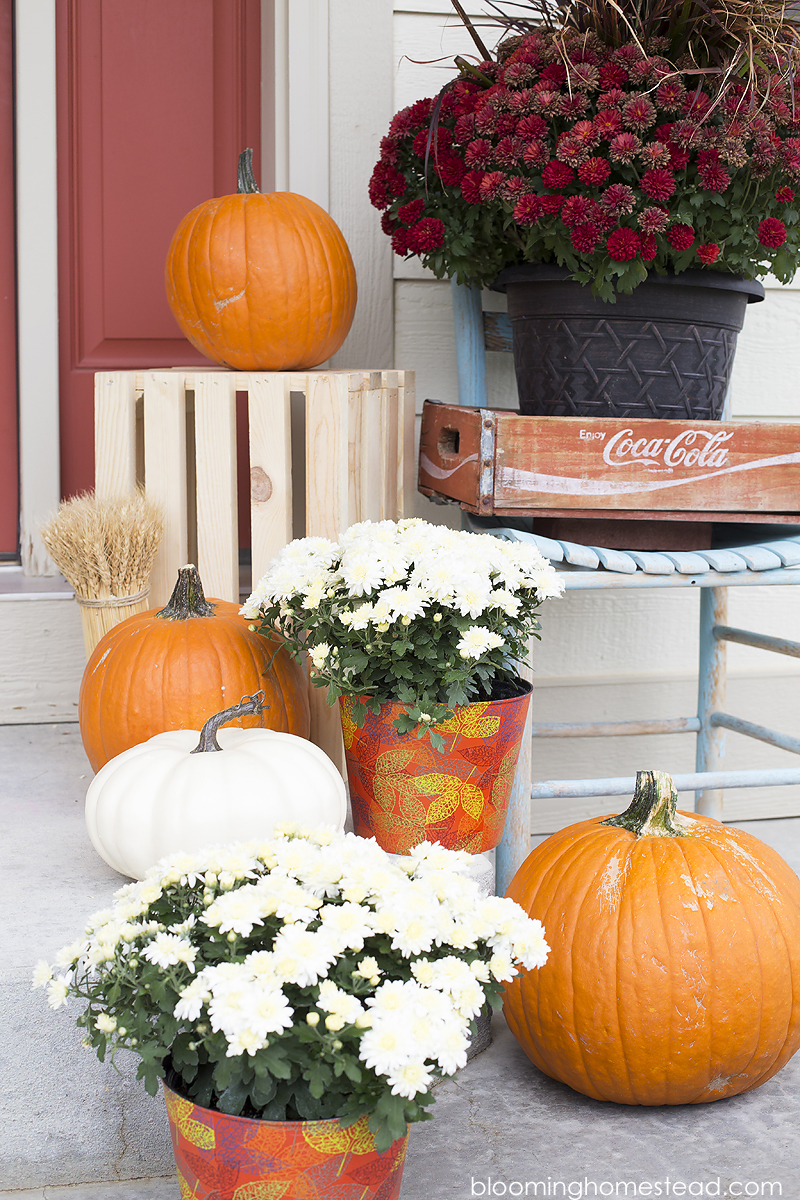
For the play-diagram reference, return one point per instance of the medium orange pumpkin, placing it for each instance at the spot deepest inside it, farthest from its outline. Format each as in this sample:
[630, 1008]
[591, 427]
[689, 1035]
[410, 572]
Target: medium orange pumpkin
[674, 970]
[261, 282]
[174, 668]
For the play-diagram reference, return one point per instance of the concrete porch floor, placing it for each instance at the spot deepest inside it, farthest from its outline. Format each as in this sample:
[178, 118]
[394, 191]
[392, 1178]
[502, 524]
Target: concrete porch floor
[74, 1129]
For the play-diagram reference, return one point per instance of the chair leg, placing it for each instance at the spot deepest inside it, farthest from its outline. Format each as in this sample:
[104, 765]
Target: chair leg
[711, 696]
[516, 843]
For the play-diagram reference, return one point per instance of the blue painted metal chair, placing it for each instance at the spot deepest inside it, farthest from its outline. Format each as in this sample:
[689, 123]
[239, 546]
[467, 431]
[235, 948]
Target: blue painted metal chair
[595, 568]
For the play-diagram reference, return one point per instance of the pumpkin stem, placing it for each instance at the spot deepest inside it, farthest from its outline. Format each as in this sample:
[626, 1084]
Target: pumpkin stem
[208, 734]
[245, 179]
[652, 810]
[187, 599]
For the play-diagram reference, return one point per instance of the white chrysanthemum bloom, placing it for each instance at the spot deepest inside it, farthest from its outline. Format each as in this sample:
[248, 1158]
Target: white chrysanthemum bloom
[405, 602]
[244, 1041]
[452, 1050]
[191, 1000]
[340, 1004]
[314, 591]
[68, 955]
[410, 1079]
[106, 1023]
[348, 924]
[168, 949]
[237, 911]
[502, 968]
[302, 957]
[506, 601]
[360, 617]
[472, 594]
[547, 583]
[529, 946]
[42, 974]
[294, 905]
[385, 1047]
[319, 654]
[362, 573]
[57, 990]
[476, 640]
[368, 969]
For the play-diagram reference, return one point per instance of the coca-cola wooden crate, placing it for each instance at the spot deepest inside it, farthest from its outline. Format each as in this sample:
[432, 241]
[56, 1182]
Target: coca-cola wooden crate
[498, 462]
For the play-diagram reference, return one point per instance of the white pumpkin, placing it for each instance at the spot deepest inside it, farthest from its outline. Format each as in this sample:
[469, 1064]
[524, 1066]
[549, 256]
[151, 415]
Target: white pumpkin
[161, 797]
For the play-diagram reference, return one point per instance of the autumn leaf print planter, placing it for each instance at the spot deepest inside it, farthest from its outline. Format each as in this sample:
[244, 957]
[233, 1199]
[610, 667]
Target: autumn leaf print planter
[403, 791]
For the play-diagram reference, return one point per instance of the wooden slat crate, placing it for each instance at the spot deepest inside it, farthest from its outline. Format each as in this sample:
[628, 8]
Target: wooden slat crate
[358, 458]
[498, 462]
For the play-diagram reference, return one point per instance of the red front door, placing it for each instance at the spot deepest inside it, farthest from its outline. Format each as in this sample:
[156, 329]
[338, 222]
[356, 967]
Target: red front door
[155, 102]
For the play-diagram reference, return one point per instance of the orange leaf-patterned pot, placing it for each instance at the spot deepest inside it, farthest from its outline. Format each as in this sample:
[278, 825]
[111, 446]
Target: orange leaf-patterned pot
[219, 1157]
[403, 791]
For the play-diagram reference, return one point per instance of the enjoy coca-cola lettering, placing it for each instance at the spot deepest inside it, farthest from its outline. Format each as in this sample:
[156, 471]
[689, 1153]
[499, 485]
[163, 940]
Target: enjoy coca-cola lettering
[691, 448]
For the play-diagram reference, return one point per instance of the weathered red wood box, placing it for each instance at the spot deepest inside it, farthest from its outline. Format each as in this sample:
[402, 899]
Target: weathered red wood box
[496, 462]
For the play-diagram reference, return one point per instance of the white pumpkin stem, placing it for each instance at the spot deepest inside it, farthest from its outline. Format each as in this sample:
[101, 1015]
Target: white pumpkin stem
[652, 812]
[208, 734]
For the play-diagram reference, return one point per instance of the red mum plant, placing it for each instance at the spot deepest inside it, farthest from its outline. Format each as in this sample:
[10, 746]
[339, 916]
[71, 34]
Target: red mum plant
[609, 154]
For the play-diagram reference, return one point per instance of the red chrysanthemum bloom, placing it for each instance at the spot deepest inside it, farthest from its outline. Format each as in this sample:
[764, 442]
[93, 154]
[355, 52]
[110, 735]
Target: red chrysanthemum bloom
[419, 112]
[514, 187]
[411, 212]
[532, 126]
[655, 154]
[784, 195]
[584, 77]
[612, 99]
[594, 172]
[677, 158]
[490, 185]
[400, 123]
[550, 205]
[557, 175]
[536, 153]
[519, 73]
[771, 233]
[680, 237]
[465, 128]
[608, 123]
[554, 73]
[389, 149]
[388, 224]
[470, 187]
[586, 132]
[685, 134]
[451, 169]
[400, 241]
[527, 210]
[658, 183]
[508, 152]
[432, 142]
[707, 156]
[649, 247]
[572, 150]
[708, 253]
[546, 102]
[714, 178]
[506, 123]
[427, 234]
[623, 244]
[638, 113]
[652, 220]
[612, 75]
[479, 153]
[670, 95]
[585, 237]
[576, 210]
[624, 148]
[618, 199]
[574, 106]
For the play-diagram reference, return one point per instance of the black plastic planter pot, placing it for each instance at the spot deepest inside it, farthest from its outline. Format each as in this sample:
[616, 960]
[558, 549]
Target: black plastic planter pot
[664, 351]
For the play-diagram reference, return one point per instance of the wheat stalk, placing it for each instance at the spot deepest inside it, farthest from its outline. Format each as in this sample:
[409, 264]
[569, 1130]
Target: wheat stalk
[105, 548]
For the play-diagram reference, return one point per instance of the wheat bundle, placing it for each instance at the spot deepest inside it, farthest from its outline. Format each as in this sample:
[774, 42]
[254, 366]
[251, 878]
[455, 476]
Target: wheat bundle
[105, 549]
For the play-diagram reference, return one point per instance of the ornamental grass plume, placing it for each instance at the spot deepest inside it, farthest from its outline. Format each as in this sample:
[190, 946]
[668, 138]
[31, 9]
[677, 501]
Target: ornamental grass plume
[309, 976]
[622, 104]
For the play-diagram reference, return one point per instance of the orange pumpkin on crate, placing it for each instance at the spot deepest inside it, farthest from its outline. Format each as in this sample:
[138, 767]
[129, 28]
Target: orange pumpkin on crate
[674, 969]
[174, 668]
[261, 281]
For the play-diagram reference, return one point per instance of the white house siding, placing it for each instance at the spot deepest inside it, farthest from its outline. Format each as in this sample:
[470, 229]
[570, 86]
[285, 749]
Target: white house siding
[617, 655]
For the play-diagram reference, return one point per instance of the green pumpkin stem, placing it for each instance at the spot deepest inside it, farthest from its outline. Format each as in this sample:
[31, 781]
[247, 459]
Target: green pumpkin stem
[187, 599]
[208, 734]
[245, 179]
[652, 810]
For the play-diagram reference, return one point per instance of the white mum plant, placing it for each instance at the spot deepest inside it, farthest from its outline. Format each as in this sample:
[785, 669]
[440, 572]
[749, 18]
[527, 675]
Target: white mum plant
[311, 976]
[408, 612]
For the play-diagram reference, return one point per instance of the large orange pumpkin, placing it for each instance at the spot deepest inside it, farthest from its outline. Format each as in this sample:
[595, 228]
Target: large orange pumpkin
[674, 970]
[174, 668]
[261, 282]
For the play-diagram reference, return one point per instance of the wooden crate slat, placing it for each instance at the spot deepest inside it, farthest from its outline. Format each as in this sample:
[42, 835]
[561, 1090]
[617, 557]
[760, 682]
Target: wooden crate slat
[269, 421]
[215, 459]
[327, 454]
[390, 435]
[114, 432]
[364, 435]
[165, 473]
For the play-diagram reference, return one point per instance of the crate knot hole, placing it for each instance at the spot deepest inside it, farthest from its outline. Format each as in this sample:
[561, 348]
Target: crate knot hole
[260, 485]
[449, 440]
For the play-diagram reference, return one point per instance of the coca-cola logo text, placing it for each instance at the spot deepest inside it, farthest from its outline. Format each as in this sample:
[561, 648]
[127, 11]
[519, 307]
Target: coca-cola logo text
[691, 448]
